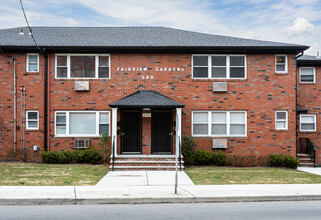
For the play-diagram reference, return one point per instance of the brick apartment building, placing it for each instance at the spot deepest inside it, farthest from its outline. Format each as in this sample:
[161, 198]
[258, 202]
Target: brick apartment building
[147, 87]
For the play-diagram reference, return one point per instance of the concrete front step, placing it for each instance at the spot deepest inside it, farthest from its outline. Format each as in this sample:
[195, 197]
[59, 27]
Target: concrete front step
[144, 162]
[305, 160]
[306, 165]
[137, 168]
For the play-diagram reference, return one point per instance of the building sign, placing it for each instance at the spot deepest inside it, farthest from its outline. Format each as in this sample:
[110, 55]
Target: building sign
[147, 115]
[144, 69]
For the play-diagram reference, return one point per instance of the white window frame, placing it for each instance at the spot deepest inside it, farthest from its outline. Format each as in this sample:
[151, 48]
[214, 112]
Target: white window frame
[27, 65]
[27, 120]
[81, 135]
[315, 122]
[314, 75]
[209, 57]
[286, 63]
[228, 124]
[286, 120]
[68, 65]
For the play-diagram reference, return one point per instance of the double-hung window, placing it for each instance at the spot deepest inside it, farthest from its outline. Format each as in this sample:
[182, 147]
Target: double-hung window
[219, 123]
[307, 122]
[82, 123]
[32, 119]
[32, 62]
[82, 66]
[307, 75]
[281, 120]
[219, 66]
[281, 64]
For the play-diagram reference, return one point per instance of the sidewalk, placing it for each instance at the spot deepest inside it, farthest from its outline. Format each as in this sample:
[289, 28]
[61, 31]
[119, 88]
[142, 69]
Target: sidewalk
[154, 191]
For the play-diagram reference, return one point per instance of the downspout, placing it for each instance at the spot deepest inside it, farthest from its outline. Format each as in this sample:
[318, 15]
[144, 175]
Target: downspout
[48, 104]
[14, 106]
[45, 130]
[296, 103]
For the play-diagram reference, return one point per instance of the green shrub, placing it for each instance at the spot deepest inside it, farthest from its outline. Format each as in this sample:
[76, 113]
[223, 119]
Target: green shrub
[276, 160]
[105, 147]
[263, 161]
[236, 161]
[56, 156]
[218, 158]
[187, 150]
[91, 155]
[280, 160]
[203, 157]
[291, 162]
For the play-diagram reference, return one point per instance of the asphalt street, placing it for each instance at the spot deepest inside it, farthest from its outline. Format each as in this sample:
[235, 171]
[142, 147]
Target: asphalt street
[240, 210]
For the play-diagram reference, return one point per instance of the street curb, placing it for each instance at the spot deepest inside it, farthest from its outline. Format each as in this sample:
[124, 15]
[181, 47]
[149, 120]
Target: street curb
[149, 200]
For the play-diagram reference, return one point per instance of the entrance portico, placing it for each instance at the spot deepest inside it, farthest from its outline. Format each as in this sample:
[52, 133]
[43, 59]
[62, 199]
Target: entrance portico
[145, 123]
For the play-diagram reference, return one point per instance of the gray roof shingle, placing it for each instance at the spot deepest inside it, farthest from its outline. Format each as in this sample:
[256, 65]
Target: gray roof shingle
[126, 37]
[308, 60]
[146, 99]
[309, 57]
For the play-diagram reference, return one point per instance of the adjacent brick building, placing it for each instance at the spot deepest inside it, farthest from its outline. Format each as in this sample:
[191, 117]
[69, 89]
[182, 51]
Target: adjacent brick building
[309, 106]
[147, 87]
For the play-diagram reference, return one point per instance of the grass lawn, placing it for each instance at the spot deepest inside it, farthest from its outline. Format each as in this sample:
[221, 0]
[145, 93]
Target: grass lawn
[253, 175]
[32, 174]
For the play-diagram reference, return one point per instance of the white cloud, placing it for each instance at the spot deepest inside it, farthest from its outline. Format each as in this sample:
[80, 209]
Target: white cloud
[300, 26]
[257, 19]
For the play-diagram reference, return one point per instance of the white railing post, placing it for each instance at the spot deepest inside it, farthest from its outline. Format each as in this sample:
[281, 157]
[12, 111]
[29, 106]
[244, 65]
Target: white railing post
[114, 129]
[178, 137]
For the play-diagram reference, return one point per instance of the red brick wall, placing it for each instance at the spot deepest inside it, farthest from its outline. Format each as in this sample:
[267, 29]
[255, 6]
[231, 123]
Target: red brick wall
[309, 97]
[34, 84]
[260, 95]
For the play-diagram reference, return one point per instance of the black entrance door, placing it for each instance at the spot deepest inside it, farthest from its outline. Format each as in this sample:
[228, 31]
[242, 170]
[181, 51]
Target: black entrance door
[131, 131]
[162, 132]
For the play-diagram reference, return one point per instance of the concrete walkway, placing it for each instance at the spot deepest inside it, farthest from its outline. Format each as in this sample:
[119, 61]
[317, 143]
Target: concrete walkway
[144, 178]
[314, 170]
[154, 187]
[46, 195]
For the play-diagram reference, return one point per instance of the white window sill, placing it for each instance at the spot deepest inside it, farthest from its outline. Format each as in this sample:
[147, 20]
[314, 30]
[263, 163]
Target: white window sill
[74, 136]
[82, 78]
[206, 136]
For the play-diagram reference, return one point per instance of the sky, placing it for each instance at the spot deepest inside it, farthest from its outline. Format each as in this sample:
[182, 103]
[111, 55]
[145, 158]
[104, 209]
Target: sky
[290, 21]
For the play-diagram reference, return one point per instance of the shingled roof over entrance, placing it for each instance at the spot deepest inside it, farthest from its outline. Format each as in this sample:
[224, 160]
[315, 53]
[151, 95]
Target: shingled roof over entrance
[146, 99]
[131, 38]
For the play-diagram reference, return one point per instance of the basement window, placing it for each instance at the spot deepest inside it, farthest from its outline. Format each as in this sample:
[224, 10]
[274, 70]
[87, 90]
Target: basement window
[32, 62]
[307, 75]
[80, 66]
[32, 120]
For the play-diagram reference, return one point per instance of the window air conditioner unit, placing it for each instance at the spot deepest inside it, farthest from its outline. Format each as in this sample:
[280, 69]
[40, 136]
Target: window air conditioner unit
[219, 86]
[219, 143]
[81, 143]
[81, 86]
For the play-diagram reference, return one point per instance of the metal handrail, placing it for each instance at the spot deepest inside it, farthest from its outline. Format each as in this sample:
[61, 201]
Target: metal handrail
[113, 149]
[311, 150]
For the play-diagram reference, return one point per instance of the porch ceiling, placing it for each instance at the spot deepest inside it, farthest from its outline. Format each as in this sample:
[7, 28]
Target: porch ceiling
[146, 99]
